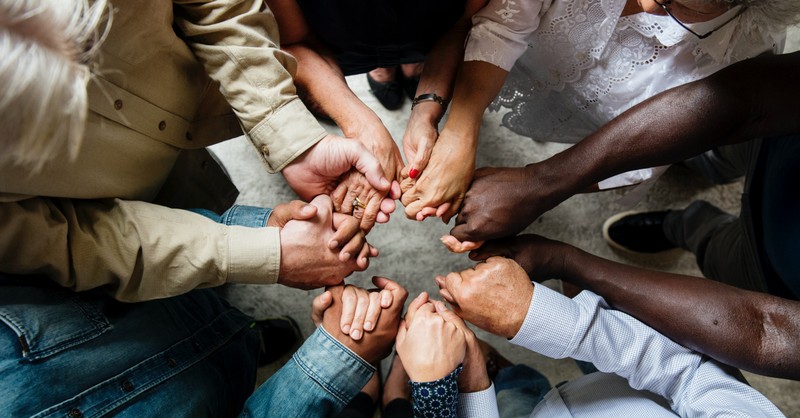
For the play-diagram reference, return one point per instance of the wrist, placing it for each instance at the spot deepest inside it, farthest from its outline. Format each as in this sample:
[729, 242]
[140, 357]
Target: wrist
[429, 112]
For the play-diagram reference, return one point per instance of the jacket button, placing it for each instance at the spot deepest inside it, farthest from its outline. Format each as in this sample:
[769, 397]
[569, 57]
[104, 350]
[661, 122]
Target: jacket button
[75, 413]
[265, 150]
[162, 125]
[118, 104]
[171, 361]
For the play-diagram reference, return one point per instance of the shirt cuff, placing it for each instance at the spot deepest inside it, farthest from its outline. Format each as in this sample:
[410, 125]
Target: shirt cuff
[286, 135]
[254, 254]
[438, 398]
[481, 404]
[489, 45]
[336, 368]
[550, 323]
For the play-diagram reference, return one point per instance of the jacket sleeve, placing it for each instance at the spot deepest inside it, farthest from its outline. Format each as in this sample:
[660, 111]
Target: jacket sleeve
[237, 42]
[134, 250]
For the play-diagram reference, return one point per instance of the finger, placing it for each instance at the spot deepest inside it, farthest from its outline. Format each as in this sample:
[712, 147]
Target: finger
[324, 206]
[319, 305]
[367, 164]
[394, 191]
[339, 197]
[362, 305]
[373, 311]
[363, 257]
[349, 302]
[382, 218]
[451, 210]
[371, 211]
[420, 160]
[452, 282]
[456, 246]
[399, 293]
[491, 249]
[450, 316]
[386, 298]
[346, 229]
[425, 212]
[388, 205]
[444, 293]
[414, 306]
[442, 209]
[373, 252]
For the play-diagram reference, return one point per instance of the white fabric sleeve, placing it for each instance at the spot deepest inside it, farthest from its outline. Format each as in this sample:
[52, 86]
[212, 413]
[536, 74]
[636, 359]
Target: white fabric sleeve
[482, 404]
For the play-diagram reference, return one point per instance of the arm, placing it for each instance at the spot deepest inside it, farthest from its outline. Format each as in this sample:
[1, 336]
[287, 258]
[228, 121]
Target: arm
[585, 329]
[135, 250]
[498, 37]
[749, 330]
[674, 125]
[438, 75]
[553, 325]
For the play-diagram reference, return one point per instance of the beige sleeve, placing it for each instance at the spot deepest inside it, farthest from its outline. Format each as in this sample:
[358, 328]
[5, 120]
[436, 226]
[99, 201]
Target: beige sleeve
[237, 42]
[134, 250]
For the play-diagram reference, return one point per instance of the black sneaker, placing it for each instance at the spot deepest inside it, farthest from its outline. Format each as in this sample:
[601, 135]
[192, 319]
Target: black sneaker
[277, 337]
[390, 94]
[637, 232]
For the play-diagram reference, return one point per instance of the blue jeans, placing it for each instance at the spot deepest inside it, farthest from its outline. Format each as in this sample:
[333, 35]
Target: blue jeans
[82, 354]
[249, 216]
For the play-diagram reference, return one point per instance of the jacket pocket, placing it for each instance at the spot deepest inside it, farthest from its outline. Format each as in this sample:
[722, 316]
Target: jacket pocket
[48, 320]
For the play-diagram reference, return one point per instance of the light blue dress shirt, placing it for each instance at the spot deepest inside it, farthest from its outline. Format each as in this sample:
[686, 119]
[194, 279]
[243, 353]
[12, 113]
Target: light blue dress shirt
[687, 383]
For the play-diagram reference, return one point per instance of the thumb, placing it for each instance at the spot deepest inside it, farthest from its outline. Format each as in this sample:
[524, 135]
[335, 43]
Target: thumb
[420, 160]
[366, 163]
[319, 305]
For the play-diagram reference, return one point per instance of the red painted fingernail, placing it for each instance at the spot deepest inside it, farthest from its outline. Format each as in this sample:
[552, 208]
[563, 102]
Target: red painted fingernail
[413, 173]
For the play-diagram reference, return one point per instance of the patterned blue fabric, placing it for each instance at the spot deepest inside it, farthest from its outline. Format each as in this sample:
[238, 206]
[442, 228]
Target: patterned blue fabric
[438, 398]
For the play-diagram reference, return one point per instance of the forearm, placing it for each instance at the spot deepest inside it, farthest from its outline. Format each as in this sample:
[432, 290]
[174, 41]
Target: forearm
[134, 250]
[752, 331]
[324, 89]
[687, 120]
[476, 86]
[319, 380]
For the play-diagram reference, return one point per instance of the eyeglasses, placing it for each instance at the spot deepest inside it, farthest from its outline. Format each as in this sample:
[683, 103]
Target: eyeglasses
[703, 36]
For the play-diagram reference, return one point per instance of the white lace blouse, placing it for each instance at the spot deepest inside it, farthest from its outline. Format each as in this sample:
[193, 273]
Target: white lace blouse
[576, 64]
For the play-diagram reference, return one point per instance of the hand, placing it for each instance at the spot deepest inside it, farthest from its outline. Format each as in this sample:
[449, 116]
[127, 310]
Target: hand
[502, 202]
[360, 311]
[474, 377]
[494, 296]
[541, 258]
[420, 136]
[379, 205]
[307, 260]
[432, 346]
[456, 246]
[318, 170]
[375, 344]
[440, 189]
[296, 210]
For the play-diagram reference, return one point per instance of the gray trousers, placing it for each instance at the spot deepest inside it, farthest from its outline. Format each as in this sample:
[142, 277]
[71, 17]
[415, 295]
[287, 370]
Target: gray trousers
[725, 245]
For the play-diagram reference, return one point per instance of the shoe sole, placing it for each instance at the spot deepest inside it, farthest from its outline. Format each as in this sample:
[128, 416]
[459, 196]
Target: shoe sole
[671, 253]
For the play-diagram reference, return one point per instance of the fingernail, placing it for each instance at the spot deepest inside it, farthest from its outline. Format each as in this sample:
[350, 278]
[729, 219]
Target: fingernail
[346, 329]
[355, 335]
[413, 173]
[334, 244]
[367, 325]
[385, 183]
[346, 256]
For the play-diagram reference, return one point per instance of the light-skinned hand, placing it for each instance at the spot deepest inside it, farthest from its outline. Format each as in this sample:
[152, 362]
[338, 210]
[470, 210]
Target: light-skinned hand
[360, 311]
[307, 258]
[431, 347]
[320, 169]
[373, 345]
[510, 288]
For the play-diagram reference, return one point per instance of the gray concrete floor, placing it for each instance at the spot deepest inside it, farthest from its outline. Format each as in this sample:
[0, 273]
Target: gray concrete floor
[412, 254]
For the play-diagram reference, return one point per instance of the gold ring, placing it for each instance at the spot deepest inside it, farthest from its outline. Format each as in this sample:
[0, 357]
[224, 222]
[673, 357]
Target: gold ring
[357, 203]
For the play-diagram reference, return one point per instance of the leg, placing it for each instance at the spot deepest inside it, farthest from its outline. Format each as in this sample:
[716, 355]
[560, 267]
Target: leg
[717, 240]
[85, 353]
[519, 389]
[724, 164]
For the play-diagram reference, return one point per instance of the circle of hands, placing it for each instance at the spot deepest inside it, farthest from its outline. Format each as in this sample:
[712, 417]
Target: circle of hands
[349, 190]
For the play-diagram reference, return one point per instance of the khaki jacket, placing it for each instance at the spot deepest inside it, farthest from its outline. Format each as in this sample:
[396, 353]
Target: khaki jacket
[172, 78]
